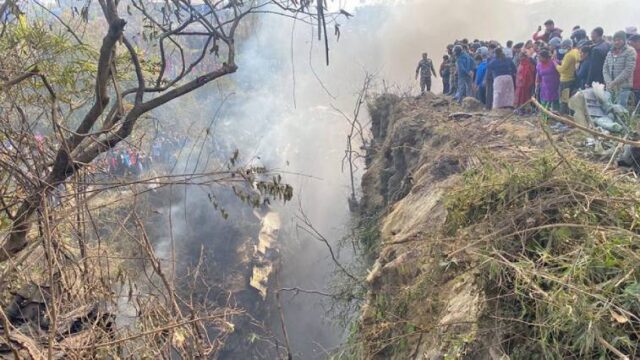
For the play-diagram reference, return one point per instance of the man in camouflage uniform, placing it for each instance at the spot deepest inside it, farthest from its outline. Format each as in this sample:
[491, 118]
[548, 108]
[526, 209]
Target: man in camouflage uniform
[425, 69]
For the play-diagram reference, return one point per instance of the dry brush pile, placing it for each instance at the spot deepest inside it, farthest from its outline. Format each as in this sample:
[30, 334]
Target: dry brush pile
[92, 286]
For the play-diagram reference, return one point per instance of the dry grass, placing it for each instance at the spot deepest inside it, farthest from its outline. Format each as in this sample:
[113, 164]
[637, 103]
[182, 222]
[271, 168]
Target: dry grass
[560, 254]
[549, 241]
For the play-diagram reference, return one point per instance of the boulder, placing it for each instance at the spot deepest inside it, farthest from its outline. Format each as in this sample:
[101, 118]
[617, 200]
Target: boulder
[472, 104]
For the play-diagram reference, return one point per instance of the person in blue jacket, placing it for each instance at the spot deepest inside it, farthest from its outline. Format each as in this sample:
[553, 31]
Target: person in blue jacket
[481, 71]
[465, 70]
[582, 74]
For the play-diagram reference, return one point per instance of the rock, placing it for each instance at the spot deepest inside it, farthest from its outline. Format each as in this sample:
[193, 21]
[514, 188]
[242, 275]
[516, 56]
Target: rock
[427, 96]
[433, 354]
[472, 104]
[460, 115]
[445, 167]
[440, 102]
[380, 112]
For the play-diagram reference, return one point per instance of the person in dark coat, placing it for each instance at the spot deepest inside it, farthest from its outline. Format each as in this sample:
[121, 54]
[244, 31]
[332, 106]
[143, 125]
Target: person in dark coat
[582, 74]
[598, 55]
[445, 72]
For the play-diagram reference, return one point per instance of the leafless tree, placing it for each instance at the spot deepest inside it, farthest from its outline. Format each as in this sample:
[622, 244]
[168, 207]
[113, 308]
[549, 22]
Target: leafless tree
[356, 129]
[108, 121]
[127, 78]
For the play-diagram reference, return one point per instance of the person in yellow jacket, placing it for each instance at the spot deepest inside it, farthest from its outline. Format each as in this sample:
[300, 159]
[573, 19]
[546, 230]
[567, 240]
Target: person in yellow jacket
[567, 70]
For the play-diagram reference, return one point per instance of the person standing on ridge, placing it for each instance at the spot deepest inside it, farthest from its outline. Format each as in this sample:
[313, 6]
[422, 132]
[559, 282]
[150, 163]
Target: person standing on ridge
[550, 32]
[634, 41]
[599, 53]
[425, 69]
[548, 81]
[479, 81]
[453, 71]
[567, 71]
[578, 35]
[619, 67]
[582, 74]
[508, 51]
[517, 49]
[465, 71]
[445, 71]
[502, 72]
[525, 84]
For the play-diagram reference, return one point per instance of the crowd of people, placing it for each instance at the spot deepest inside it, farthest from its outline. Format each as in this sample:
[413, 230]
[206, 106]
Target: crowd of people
[126, 160]
[550, 66]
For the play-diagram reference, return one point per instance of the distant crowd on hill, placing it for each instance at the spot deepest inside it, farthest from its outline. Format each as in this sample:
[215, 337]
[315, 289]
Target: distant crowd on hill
[549, 66]
[127, 160]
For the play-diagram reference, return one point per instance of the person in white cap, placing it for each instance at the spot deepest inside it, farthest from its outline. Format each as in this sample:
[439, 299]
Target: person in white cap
[631, 30]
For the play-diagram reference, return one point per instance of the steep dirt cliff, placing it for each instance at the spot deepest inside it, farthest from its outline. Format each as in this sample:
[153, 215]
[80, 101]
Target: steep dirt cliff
[486, 243]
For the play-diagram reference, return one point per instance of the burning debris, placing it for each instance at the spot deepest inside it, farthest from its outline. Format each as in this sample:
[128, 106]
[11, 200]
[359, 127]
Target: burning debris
[266, 253]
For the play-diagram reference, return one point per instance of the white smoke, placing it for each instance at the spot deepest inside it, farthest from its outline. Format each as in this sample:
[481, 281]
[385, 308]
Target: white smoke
[396, 39]
[280, 113]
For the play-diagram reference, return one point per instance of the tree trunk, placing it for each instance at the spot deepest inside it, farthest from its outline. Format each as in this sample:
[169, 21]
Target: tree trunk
[16, 240]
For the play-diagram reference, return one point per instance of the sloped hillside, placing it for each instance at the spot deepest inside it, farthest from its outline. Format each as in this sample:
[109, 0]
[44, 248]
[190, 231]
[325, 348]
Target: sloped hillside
[489, 241]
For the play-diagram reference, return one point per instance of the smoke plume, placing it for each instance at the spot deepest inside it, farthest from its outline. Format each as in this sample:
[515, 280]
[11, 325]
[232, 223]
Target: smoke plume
[279, 113]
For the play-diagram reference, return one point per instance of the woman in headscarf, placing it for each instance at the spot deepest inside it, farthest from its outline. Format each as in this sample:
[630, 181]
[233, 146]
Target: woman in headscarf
[502, 70]
[548, 81]
[525, 81]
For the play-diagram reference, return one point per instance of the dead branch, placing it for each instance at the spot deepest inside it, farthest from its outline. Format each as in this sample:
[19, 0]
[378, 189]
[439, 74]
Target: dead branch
[571, 123]
[311, 230]
[281, 313]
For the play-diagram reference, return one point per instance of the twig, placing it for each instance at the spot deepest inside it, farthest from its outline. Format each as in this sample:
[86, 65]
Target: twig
[311, 230]
[281, 313]
[635, 111]
[610, 347]
[555, 148]
[613, 156]
[299, 290]
[7, 333]
[149, 332]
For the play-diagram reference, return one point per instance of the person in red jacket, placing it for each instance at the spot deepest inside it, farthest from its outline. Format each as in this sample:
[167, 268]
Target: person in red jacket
[525, 83]
[634, 41]
[550, 32]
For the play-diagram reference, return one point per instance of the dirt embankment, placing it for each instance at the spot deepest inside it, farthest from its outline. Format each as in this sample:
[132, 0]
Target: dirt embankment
[476, 228]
